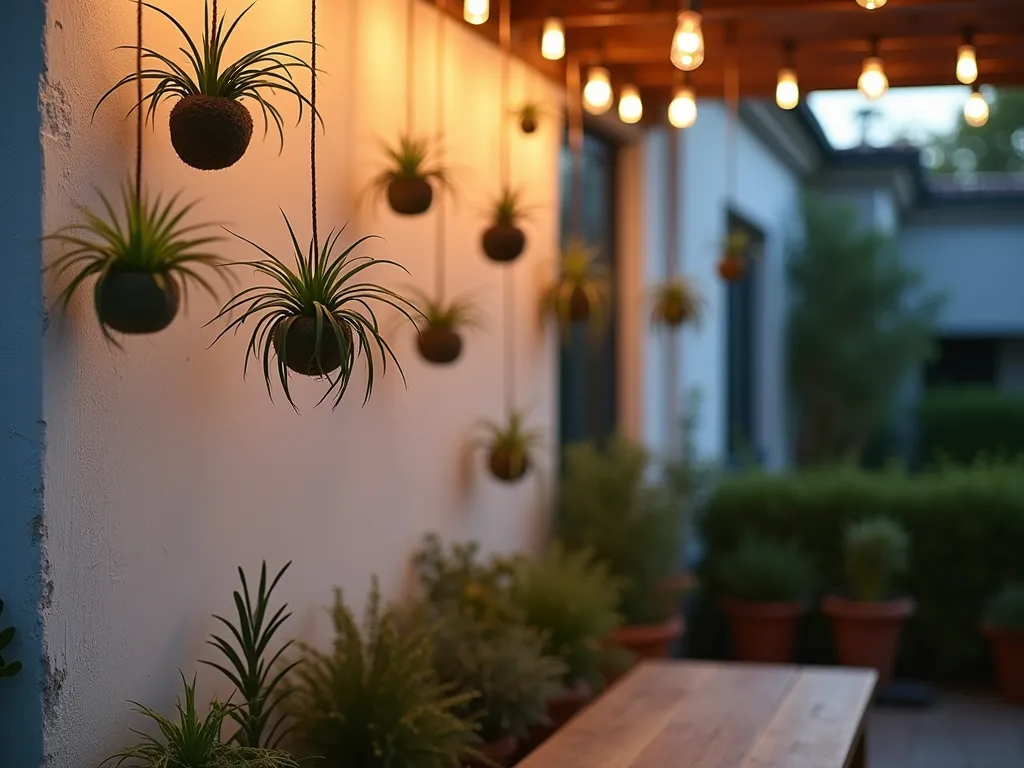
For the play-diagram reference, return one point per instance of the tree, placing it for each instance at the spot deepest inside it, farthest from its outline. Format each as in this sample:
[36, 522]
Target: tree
[858, 323]
[996, 147]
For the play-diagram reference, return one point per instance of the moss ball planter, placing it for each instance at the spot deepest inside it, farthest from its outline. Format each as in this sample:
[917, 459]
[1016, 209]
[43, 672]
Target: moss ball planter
[301, 354]
[508, 466]
[503, 243]
[136, 302]
[410, 197]
[439, 345]
[210, 133]
[528, 124]
[579, 306]
[763, 632]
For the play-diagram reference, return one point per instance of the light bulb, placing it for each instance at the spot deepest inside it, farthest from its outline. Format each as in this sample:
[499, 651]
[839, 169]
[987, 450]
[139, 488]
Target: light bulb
[631, 107]
[682, 112]
[872, 81]
[552, 39]
[688, 42]
[476, 11]
[966, 65]
[597, 93]
[976, 110]
[787, 92]
[871, 4]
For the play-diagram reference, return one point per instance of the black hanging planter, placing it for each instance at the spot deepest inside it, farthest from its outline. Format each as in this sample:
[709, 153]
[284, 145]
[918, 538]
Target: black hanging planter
[136, 301]
[410, 196]
[210, 133]
[439, 344]
[503, 242]
[301, 351]
[508, 465]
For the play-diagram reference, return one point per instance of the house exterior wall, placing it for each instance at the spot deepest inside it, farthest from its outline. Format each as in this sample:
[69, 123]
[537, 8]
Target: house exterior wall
[166, 470]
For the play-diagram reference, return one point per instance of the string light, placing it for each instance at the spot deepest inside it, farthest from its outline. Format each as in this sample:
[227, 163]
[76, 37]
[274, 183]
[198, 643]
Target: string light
[787, 89]
[976, 110]
[688, 42]
[873, 82]
[871, 5]
[631, 107]
[552, 39]
[476, 11]
[682, 112]
[597, 93]
[967, 62]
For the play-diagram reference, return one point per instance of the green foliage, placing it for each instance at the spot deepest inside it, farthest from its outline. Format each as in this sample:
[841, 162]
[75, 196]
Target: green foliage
[764, 570]
[1006, 608]
[410, 158]
[7, 668]
[256, 679]
[581, 275]
[677, 301]
[452, 314]
[996, 147]
[961, 424]
[267, 69]
[194, 742]
[873, 552]
[606, 505]
[374, 699]
[508, 209]
[572, 599]
[856, 326]
[323, 286]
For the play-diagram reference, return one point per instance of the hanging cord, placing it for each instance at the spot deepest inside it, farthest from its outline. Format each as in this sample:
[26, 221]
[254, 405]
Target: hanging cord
[410, 67]
[138, 94]
[732, 98]
[440, 119]
[505, 33]
[573, 87]
[312, 125]
[510, 341]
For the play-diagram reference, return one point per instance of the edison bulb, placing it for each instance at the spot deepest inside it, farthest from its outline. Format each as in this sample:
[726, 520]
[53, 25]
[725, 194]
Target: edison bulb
[682, 112]
[688, 42]
[631, 107]
[976, 110]
[966, 65]
[476, 11]
[872, 81]
[552, 39]
[597, 93]
[871, 4]
[787, 92]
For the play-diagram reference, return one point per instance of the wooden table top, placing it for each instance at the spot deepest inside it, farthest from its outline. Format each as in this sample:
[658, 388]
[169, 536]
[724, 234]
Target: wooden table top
[681, 714]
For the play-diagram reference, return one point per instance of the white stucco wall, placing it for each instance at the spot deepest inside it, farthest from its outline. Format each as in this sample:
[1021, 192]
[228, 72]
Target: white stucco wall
[165, 470]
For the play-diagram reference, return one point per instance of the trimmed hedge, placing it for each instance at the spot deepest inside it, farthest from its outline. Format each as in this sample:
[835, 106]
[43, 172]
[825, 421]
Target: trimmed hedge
[959, 424]
[967, 539]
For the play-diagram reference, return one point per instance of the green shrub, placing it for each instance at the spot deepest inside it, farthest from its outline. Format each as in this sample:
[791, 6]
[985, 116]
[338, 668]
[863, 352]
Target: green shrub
[967, 529]
[959, 424]
[873, 552]
[763, 570]
[1006, 608]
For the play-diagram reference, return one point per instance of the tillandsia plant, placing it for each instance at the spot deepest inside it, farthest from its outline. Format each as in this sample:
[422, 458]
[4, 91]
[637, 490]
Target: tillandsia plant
[677, 301]
[210, 126]
[143, 257]
[406, 181]
[194, 741]
[439, 340]
[509, 447]
[875, 550]
[7, 668]
[735, 256]
[529, 114]
[582, 292]
[257, 679]
[504, 240]
[317, 317]
[374, 700]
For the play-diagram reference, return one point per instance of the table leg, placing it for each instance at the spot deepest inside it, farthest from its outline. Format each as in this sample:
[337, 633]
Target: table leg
[860, 751]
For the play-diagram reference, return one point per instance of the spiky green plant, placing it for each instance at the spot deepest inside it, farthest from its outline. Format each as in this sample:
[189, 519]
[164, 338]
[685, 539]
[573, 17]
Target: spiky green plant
[144, 236]
[7, 668]
[323, 287]
[582, 280]
[257, 679]
[512, 438]
[875, 550]
[507, 209]
[762, 570]
[677, 301]
[450, 314]
[194, 742]
[374, 700]
[267, 69]
[410, 158]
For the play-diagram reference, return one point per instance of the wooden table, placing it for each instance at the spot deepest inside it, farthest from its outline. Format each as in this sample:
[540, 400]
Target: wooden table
[708, 715]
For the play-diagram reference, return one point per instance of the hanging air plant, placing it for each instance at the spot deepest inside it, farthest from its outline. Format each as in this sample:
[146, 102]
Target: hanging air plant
[439, 340]
[317, 317]
[509, 447]
[735, 257]
[676, 301]
[504, 240]
[407, 180]
[582, 293]
[142, 256]
[529, 115]
[210, 126]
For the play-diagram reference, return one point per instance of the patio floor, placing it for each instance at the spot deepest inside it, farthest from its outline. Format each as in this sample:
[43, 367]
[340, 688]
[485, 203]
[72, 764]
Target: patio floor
[962, 730]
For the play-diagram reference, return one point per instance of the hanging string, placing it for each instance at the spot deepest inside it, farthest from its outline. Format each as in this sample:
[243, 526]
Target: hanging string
[312, 124]
[410, 67]
[732, 98]
[440, 119]
[573, 88]
[505, 34]
[138, 109]
[510, 340]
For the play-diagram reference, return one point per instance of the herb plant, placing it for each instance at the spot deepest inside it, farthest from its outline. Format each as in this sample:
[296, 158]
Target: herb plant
[874, 551]
[764, 570]
[7, 668]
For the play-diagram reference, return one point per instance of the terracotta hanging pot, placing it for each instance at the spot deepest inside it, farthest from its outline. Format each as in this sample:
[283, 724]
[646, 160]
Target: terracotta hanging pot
[503, 242]
[867, 634]
[439, 344]
[301, 349]
[210, 133]
[410, 197]
[763, 632]
[496, 753]
[1008, 654]
[136, 302]
[732, 268]
[508, 465]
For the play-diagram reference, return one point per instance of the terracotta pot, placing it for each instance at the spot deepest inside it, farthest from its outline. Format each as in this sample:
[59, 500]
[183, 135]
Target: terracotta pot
[410, 197]
[497, 752]
[301, 350]
[439, 345]
[132, 301]
[508, 466]
[210, 133]
[732, 268]
[503, 243]
[560, 710]
[763, 632]
[1008, 654]
[650, 641]
[528, 124]
[867, 634]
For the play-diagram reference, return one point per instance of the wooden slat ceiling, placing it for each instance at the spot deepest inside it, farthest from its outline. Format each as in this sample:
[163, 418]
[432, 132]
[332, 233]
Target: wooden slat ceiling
[918, 40]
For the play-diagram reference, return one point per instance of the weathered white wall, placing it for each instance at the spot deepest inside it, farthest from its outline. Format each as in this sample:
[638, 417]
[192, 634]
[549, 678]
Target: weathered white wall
[165, 470]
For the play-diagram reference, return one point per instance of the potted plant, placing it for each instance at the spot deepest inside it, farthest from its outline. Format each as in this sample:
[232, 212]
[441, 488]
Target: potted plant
[735, 254]
[676, 301]
[504, 240]
[509, 447]
[866, 624]
[374, 699]
[7, 668]
[529, 114]
[582, 292]
[143, 257]
[608, 504]
[1003, 623]
[210, 126]
[317, 318]
[766, 586]
[439, 340]
[195, 741]
[406, 181]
